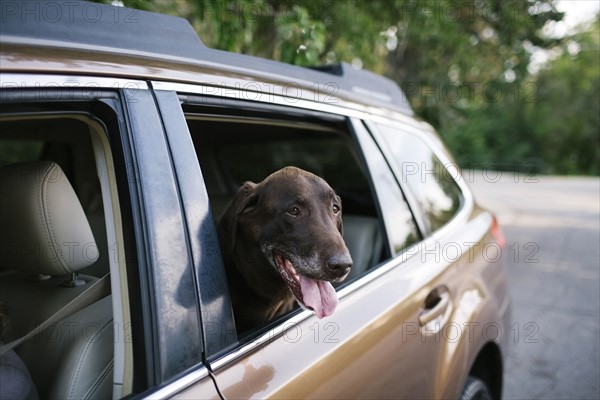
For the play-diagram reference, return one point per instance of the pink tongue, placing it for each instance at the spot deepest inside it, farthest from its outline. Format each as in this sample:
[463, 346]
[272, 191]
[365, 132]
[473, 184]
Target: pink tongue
[319, 295]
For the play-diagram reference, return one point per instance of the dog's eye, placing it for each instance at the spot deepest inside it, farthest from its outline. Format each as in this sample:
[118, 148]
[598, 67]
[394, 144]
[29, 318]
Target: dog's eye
[294, 211]
[336, 209]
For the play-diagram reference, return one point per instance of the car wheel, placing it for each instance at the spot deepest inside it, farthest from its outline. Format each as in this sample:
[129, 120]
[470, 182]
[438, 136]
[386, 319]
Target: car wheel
[475, 389]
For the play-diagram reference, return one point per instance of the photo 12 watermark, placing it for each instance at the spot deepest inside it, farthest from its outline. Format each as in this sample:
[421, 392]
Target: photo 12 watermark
[67, 89]
[490, 252]
[471, 332]
[64, 12]
[467, 92]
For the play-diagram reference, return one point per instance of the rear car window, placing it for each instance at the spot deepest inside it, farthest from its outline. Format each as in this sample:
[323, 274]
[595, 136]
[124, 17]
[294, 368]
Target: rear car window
[433, 187]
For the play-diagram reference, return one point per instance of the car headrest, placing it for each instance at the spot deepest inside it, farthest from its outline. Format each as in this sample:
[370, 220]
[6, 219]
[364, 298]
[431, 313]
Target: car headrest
[43, 228]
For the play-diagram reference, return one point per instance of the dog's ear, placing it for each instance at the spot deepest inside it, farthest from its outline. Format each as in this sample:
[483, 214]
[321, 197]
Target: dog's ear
[246, 198]
[243, 201]
[340, 224]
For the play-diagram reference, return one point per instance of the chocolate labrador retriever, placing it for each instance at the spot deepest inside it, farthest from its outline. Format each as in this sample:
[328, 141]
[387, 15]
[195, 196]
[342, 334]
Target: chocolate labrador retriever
[282, 241]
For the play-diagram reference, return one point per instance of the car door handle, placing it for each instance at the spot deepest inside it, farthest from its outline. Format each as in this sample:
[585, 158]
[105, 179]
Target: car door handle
[435, 306]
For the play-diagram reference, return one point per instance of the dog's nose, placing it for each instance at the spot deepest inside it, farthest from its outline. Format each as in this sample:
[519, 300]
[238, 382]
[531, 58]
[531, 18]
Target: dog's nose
[340, 264]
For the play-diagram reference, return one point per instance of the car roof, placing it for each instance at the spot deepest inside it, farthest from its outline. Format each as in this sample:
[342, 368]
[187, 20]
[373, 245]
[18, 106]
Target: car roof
[90, 27]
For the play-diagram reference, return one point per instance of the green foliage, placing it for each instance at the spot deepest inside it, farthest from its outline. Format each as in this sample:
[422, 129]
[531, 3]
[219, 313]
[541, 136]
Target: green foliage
[565, 120]
[463, 64]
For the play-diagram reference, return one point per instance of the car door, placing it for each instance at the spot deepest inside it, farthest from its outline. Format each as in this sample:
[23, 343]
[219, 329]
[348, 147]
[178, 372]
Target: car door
[382, 341]
[460, 308]
[107, 137]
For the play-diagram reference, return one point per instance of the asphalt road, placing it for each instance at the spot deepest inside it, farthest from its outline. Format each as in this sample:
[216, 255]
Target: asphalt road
[552, 226]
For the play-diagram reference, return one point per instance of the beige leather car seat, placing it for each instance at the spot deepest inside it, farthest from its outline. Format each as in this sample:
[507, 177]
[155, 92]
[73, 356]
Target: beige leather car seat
[364, 239]
[45, 240]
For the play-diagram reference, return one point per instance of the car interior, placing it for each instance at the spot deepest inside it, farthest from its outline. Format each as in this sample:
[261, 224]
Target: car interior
[51, 196]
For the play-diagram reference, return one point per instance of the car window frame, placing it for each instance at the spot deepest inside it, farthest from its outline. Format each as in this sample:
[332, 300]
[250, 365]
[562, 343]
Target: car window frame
[272, 111]
[163, 254]
[136, 116]
[209, 278]
[365, 138]
[98, 104]
[426, 133]
[275, 104]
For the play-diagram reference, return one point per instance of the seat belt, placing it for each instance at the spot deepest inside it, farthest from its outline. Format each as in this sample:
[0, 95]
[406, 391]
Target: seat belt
[97, 291]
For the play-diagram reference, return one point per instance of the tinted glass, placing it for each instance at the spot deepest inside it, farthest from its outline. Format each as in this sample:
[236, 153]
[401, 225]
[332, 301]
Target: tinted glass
[399, 223]
[433, 187]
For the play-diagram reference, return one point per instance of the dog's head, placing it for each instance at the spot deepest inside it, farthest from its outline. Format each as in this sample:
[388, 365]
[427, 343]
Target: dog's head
[288, 228]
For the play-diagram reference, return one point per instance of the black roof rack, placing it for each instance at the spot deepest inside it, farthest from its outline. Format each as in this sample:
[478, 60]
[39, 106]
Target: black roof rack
[94, 26]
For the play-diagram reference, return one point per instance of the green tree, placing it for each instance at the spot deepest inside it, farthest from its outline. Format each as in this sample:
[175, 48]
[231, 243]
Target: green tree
[463, 64]
[565, 119]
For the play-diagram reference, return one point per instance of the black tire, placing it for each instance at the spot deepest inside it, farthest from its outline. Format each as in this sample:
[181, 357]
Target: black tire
[475, 389]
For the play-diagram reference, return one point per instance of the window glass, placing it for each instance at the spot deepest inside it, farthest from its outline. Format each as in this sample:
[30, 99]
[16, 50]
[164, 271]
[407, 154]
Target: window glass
[399, 222]
[433, 187]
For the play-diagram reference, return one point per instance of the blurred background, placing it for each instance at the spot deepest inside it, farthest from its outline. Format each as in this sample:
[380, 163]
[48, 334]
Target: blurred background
[511, 85]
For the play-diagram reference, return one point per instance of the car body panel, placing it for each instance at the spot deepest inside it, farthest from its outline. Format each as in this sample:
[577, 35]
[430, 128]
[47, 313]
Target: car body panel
[199, 378]
[315, 355]
[217, 79]
[311, 358]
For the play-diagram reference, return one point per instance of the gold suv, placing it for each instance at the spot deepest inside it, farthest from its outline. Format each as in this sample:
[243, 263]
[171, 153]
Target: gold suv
[122, 140]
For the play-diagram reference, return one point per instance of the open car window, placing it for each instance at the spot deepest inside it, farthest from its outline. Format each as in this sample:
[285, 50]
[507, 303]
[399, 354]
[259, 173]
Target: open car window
[235, 145]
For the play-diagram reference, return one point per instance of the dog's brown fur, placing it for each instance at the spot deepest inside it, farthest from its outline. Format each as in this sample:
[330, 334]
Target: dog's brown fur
[291, 215]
